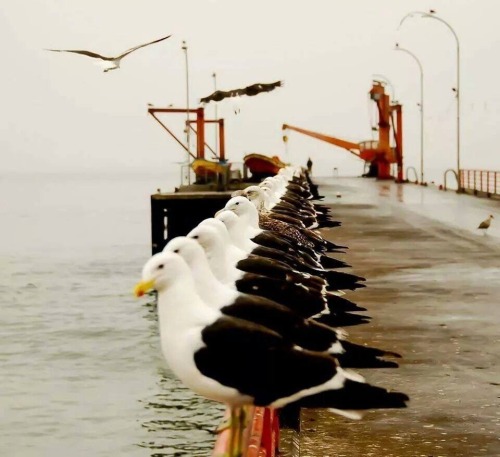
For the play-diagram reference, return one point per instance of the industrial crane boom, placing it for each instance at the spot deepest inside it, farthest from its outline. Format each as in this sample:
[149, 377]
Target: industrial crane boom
[349, 146]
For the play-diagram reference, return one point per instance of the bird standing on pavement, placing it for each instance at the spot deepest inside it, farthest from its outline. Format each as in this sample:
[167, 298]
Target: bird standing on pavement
[485, 224]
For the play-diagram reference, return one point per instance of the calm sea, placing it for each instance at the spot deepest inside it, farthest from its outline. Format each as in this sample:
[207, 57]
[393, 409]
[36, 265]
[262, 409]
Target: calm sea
[81, 368]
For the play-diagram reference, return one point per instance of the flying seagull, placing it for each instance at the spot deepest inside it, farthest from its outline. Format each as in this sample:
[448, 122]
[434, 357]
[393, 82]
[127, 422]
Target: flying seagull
[111, 63]
[252, 90]
[486, 223]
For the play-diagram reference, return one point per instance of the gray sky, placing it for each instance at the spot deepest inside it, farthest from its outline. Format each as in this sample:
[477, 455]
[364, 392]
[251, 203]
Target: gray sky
[61, 112]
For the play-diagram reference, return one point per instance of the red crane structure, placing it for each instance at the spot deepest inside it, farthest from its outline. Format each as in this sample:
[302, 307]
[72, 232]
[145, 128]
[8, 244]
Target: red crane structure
[379, 153]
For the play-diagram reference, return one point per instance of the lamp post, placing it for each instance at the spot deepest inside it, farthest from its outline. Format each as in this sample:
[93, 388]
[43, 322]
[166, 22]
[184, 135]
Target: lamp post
[398, 48]
[188, 136]
[432, 15]
[214, 75]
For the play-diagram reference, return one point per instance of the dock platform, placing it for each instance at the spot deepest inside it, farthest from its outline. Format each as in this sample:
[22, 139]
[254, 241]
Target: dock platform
[176, 213]
[434, 296]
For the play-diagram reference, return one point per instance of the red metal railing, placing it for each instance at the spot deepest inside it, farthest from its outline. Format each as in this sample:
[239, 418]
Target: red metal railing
[260, 438]
[480, 181]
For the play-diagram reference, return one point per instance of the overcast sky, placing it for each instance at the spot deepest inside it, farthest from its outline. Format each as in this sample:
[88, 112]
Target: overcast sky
[61, 112]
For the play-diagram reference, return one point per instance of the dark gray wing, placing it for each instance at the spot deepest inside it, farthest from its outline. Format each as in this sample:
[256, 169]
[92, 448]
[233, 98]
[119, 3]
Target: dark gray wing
[216, 96]
[82, 52]
[305, 333]
[219, 95]
[135, 48]
[255, 89]
[271, 86]
[258, 362]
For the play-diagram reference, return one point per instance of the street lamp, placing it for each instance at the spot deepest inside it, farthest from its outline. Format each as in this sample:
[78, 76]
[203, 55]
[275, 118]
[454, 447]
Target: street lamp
[431, 15]
[398, 48]
[188, 136]
[214, 75]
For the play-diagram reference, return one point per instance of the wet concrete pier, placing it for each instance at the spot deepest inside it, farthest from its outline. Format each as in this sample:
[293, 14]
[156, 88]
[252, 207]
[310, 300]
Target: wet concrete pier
[434, 295]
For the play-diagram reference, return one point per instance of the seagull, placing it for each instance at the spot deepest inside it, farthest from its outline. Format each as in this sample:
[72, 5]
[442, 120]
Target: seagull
[110, 63]
[250, 91]
[215, 355]
[486, 223]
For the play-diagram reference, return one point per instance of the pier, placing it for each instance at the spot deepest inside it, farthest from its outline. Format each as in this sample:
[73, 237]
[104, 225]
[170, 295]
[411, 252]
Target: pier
[176, 213]
[433, 293]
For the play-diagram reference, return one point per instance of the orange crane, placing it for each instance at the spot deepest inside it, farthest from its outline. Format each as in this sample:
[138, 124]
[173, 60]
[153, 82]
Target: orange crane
[379, 153]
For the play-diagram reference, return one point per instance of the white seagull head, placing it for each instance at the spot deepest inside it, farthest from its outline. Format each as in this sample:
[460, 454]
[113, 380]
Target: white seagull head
[187, 248]
[241, 206]
[217, 225]
[208, 238]
[245, 209]
[229, 219]
[160, 272]
[257, 196]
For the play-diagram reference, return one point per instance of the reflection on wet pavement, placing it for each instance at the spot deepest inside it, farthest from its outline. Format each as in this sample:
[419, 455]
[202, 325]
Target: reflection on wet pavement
[434, 295]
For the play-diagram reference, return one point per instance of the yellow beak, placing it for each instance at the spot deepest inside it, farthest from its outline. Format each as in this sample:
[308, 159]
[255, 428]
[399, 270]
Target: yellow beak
[142, 287]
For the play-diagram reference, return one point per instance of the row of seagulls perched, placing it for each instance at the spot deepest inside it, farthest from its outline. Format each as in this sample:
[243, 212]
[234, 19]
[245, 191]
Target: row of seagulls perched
[249, 312]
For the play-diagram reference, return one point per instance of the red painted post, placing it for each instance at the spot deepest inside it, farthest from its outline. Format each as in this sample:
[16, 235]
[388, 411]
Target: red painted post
[253, 445]
[260, 438]
[222, 145]
[276, 430]
[268, 442]
[200, 133]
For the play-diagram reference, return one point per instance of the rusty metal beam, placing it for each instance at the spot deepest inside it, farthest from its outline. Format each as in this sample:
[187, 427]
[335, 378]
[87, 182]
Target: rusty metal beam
[172, 110]
[222, 143]
[172, 135]
[206, 144]
[200, 136]
[349, 146]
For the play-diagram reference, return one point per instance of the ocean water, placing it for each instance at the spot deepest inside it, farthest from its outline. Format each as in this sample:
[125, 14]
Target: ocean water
[81, 367]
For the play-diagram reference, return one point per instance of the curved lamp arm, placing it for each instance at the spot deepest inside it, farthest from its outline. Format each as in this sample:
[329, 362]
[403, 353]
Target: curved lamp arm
[425, 15]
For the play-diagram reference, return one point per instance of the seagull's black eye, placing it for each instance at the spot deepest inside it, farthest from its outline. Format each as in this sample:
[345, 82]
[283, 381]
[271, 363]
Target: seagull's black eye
[195, 237]
[160, 267]
[177, 251]
[237, 203]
